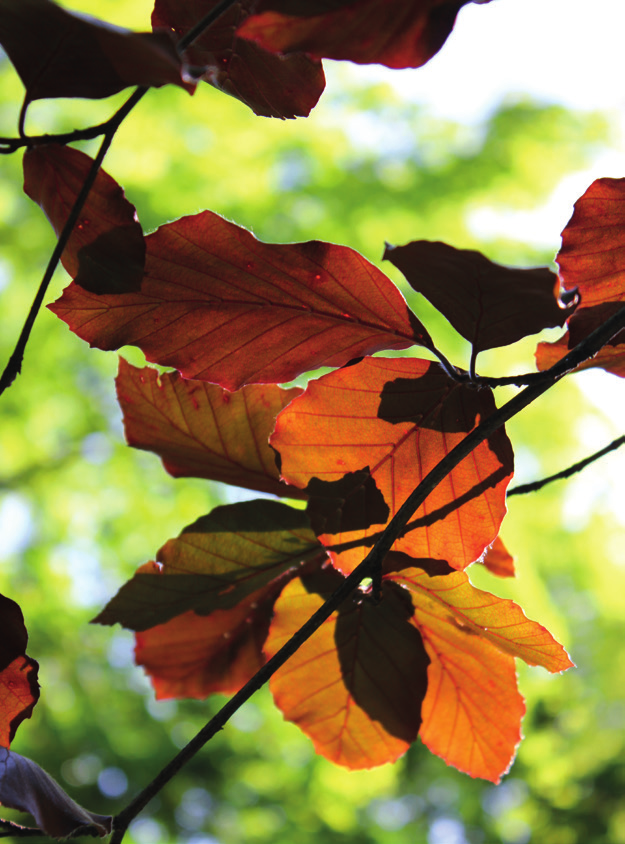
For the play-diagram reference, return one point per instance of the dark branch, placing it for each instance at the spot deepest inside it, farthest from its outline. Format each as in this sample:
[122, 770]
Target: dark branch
[566, 473]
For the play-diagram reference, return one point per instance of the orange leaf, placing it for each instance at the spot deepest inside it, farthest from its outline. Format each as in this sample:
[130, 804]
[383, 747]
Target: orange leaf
[19, 689]
[472, 711]
[497, 559]
[356, 686]
[360, 439]
[221, 306]
[106, 250]
[200, 430]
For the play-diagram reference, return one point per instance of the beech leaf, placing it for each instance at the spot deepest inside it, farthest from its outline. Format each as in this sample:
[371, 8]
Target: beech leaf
[356, 686]
[472, 710]
[65, 54]
[393, 420]
[19, 689]
[200, 430]
[216, 562]
[396, 33]
[28, 788]
[488, 304]
[106, 250]
[498, 560]
[221, 306]
[272, 86]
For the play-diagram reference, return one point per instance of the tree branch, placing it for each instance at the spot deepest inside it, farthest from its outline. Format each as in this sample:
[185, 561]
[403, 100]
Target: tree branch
[372, 562]
[566, 473]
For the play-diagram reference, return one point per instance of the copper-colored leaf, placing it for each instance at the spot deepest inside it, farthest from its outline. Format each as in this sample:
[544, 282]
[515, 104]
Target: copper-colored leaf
[27, 787]
[396, 33]
[19, 689]
[106, 251]
[195, 656]
[221, 306]
[215, 563]
[472, 711]
[64, 54]
[356, 686]
[498, 560]
[368, 434]
[272, 86]
[488, 304]
[200, 430]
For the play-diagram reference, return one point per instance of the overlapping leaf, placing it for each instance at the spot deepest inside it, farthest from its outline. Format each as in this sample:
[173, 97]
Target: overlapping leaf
[272, 86]
[356, 686]
[215, 563]
[396, 33]
[106, 250]
[221, 306]
[19, 689]
[472, 710]
[362, 438]
[488, 304]
[63, 54]
[194, 656]
[200, 430]
[498, 559]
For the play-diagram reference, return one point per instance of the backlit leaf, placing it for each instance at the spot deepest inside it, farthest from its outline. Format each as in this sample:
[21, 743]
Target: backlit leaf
[27, 787]
[397, 33]
[272, 86]
[106, 250]
[63, 54]
[221, 306]
[488, 304]
[385, 423]
[356, 686]
[472, 710]
[498, 560]
[19, 689]
[194, 656]
[200, 430]
[216, 562]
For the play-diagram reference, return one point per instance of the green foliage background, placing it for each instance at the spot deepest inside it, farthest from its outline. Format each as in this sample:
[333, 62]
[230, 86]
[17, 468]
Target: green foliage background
[79, 510]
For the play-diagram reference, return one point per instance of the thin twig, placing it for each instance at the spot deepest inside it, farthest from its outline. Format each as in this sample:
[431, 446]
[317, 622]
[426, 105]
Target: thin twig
[372, 563]
[202, 25]
[566, 473]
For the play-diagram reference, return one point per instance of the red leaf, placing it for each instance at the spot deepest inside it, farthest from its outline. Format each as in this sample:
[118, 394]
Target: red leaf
[272, 86]
[397, 34]
[498, 561]
[62, 54]
[200, 430]
[221, 306]
[356, 686]
[27, 787]
[19, 689]
[472, 710]
[488, 304]
[365, 437]
[215, 563]
[195, 656]
[106, 251]
[610, 358]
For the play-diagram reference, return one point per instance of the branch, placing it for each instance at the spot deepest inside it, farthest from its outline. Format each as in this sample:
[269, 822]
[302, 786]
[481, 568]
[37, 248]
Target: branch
[370, 565]
[566, 473]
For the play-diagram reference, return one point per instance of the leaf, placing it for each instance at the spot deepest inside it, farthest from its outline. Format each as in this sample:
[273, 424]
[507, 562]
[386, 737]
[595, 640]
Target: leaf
[200, 430]
[106, 250]
[19, 689]
[393, 420]
[396, 34]
[472, 710]
[221, 306]
[272, 86]
[356, 686]
[488, 304]
[28, 788]
[194, 656]
[498, 560]
[63, 54]
[215, 563]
